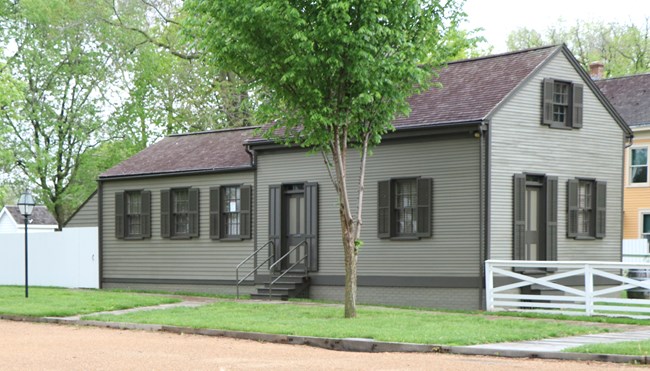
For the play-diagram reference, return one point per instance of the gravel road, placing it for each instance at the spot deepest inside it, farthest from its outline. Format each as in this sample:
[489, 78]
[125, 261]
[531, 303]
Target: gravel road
[34, 346]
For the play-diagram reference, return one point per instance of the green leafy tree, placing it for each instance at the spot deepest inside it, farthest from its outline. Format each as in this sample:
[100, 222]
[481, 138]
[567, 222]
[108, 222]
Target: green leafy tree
[624, 48]
[61, 75]
[337, 74]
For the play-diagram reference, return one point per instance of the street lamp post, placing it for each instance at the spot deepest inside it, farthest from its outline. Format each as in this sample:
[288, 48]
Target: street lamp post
[26, 206]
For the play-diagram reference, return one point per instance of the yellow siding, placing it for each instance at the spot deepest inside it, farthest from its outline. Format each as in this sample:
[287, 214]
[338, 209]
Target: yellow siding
[637, 197]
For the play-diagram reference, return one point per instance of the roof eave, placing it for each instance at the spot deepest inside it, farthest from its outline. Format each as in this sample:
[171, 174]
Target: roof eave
[176, 173]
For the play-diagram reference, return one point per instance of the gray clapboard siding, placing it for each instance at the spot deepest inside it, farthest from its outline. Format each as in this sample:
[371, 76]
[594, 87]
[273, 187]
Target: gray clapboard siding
[87, 215]
[452, 163]
[519, 143]
[157, 258]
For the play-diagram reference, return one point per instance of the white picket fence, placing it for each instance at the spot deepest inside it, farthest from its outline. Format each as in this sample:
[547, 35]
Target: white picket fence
[69, 258]
[503, 287]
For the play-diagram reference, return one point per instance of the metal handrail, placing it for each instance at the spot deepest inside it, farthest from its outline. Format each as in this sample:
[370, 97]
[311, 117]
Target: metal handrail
[304, 242]
[270, 242]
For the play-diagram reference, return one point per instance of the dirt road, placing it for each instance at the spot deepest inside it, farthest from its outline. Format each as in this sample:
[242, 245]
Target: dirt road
[31, 346]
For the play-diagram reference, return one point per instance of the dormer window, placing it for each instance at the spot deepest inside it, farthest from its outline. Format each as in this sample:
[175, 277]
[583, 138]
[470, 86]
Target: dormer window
[562, 106]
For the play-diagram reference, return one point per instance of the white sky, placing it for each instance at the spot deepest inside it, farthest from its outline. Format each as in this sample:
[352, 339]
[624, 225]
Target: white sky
[499, 17]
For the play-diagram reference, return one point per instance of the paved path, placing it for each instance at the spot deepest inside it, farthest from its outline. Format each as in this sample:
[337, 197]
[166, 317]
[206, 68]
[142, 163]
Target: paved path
[560, 344]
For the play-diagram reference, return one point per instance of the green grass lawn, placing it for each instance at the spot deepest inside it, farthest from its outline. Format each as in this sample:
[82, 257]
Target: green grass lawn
[383, 324]
[630, 348]
[60, 302]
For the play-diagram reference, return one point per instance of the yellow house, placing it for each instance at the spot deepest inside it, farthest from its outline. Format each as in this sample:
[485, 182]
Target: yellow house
[631, 97]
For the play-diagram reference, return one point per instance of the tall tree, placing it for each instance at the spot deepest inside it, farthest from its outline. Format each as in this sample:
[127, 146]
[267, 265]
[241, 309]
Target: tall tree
[338, 73]
[61, 74]
[624, 48]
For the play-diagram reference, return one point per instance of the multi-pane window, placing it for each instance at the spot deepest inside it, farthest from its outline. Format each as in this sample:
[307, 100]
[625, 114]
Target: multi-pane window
[560, 102]
[585, 207]
[180, 212]
[639, 165]
[406, 206]
[231, 211]
[133, 213]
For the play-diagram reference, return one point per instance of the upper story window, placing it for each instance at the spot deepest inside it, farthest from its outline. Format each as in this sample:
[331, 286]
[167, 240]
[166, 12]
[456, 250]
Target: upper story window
[230, 212]
[133, 214]
[404, 208]
[562, 104]
[179, 213]
[639, 165]
[587, 208]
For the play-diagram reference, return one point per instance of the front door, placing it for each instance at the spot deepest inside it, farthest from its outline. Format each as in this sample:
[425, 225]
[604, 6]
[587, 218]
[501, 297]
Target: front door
[534, 200]
[293, 225]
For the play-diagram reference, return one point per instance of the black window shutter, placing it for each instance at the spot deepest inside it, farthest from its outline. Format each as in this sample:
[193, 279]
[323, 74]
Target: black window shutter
[384, 220]
[145, 214]
[275, 222]
[425, 198]
[547, 104]
[519, 216]
[120, 216]
[572, 208]
[311, 224]
[551, 185]
[576, 111]
[165, 215]
[245, 212]
[215, 213]
[601, 209]
[194, 212]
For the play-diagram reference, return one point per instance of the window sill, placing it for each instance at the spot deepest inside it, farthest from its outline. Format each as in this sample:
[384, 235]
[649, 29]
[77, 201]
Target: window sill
[228, 239]
[405, 238]
[134, 238]
[529, 270]
[584, 238]
[638, 185]
[180, 238]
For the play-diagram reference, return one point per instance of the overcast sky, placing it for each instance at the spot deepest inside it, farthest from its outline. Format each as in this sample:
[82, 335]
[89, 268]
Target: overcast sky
[499, 17]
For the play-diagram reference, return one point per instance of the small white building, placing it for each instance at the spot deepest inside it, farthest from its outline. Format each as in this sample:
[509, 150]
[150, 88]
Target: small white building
[12, 221]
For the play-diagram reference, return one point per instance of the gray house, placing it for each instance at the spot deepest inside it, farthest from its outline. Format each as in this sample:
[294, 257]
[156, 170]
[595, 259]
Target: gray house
[517, 156]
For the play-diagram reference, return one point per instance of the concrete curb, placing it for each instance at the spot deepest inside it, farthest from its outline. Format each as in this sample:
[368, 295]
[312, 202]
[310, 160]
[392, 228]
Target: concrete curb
[348, 345]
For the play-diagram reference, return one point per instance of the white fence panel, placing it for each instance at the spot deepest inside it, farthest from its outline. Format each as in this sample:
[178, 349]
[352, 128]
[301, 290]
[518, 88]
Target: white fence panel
[636, 251]
[69, 258]
[503, 284]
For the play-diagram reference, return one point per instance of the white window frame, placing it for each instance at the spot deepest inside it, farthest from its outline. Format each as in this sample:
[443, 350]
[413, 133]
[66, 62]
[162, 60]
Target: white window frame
[628, 168]
[642, 212]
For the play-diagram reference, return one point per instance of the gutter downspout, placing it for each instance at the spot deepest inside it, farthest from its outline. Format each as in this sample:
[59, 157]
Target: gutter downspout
[253, 155]
[628, 141]
[483, 217]
[100, 230]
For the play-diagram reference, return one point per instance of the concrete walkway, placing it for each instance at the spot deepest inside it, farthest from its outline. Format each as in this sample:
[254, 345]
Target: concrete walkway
[560, 344]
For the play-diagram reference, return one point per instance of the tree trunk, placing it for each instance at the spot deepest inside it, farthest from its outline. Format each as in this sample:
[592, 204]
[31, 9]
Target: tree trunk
[350, 253]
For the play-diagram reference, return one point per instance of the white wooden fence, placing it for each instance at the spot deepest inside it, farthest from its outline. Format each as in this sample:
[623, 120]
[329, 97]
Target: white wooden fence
[503, 287]
[66, 259]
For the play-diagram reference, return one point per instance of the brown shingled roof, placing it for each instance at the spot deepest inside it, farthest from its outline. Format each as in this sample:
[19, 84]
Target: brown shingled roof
[40, 216]
[630, 96]
[472, 88]
[218, 150]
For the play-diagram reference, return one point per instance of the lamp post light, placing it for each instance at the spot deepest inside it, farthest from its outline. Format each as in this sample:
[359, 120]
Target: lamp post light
[26, 206]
